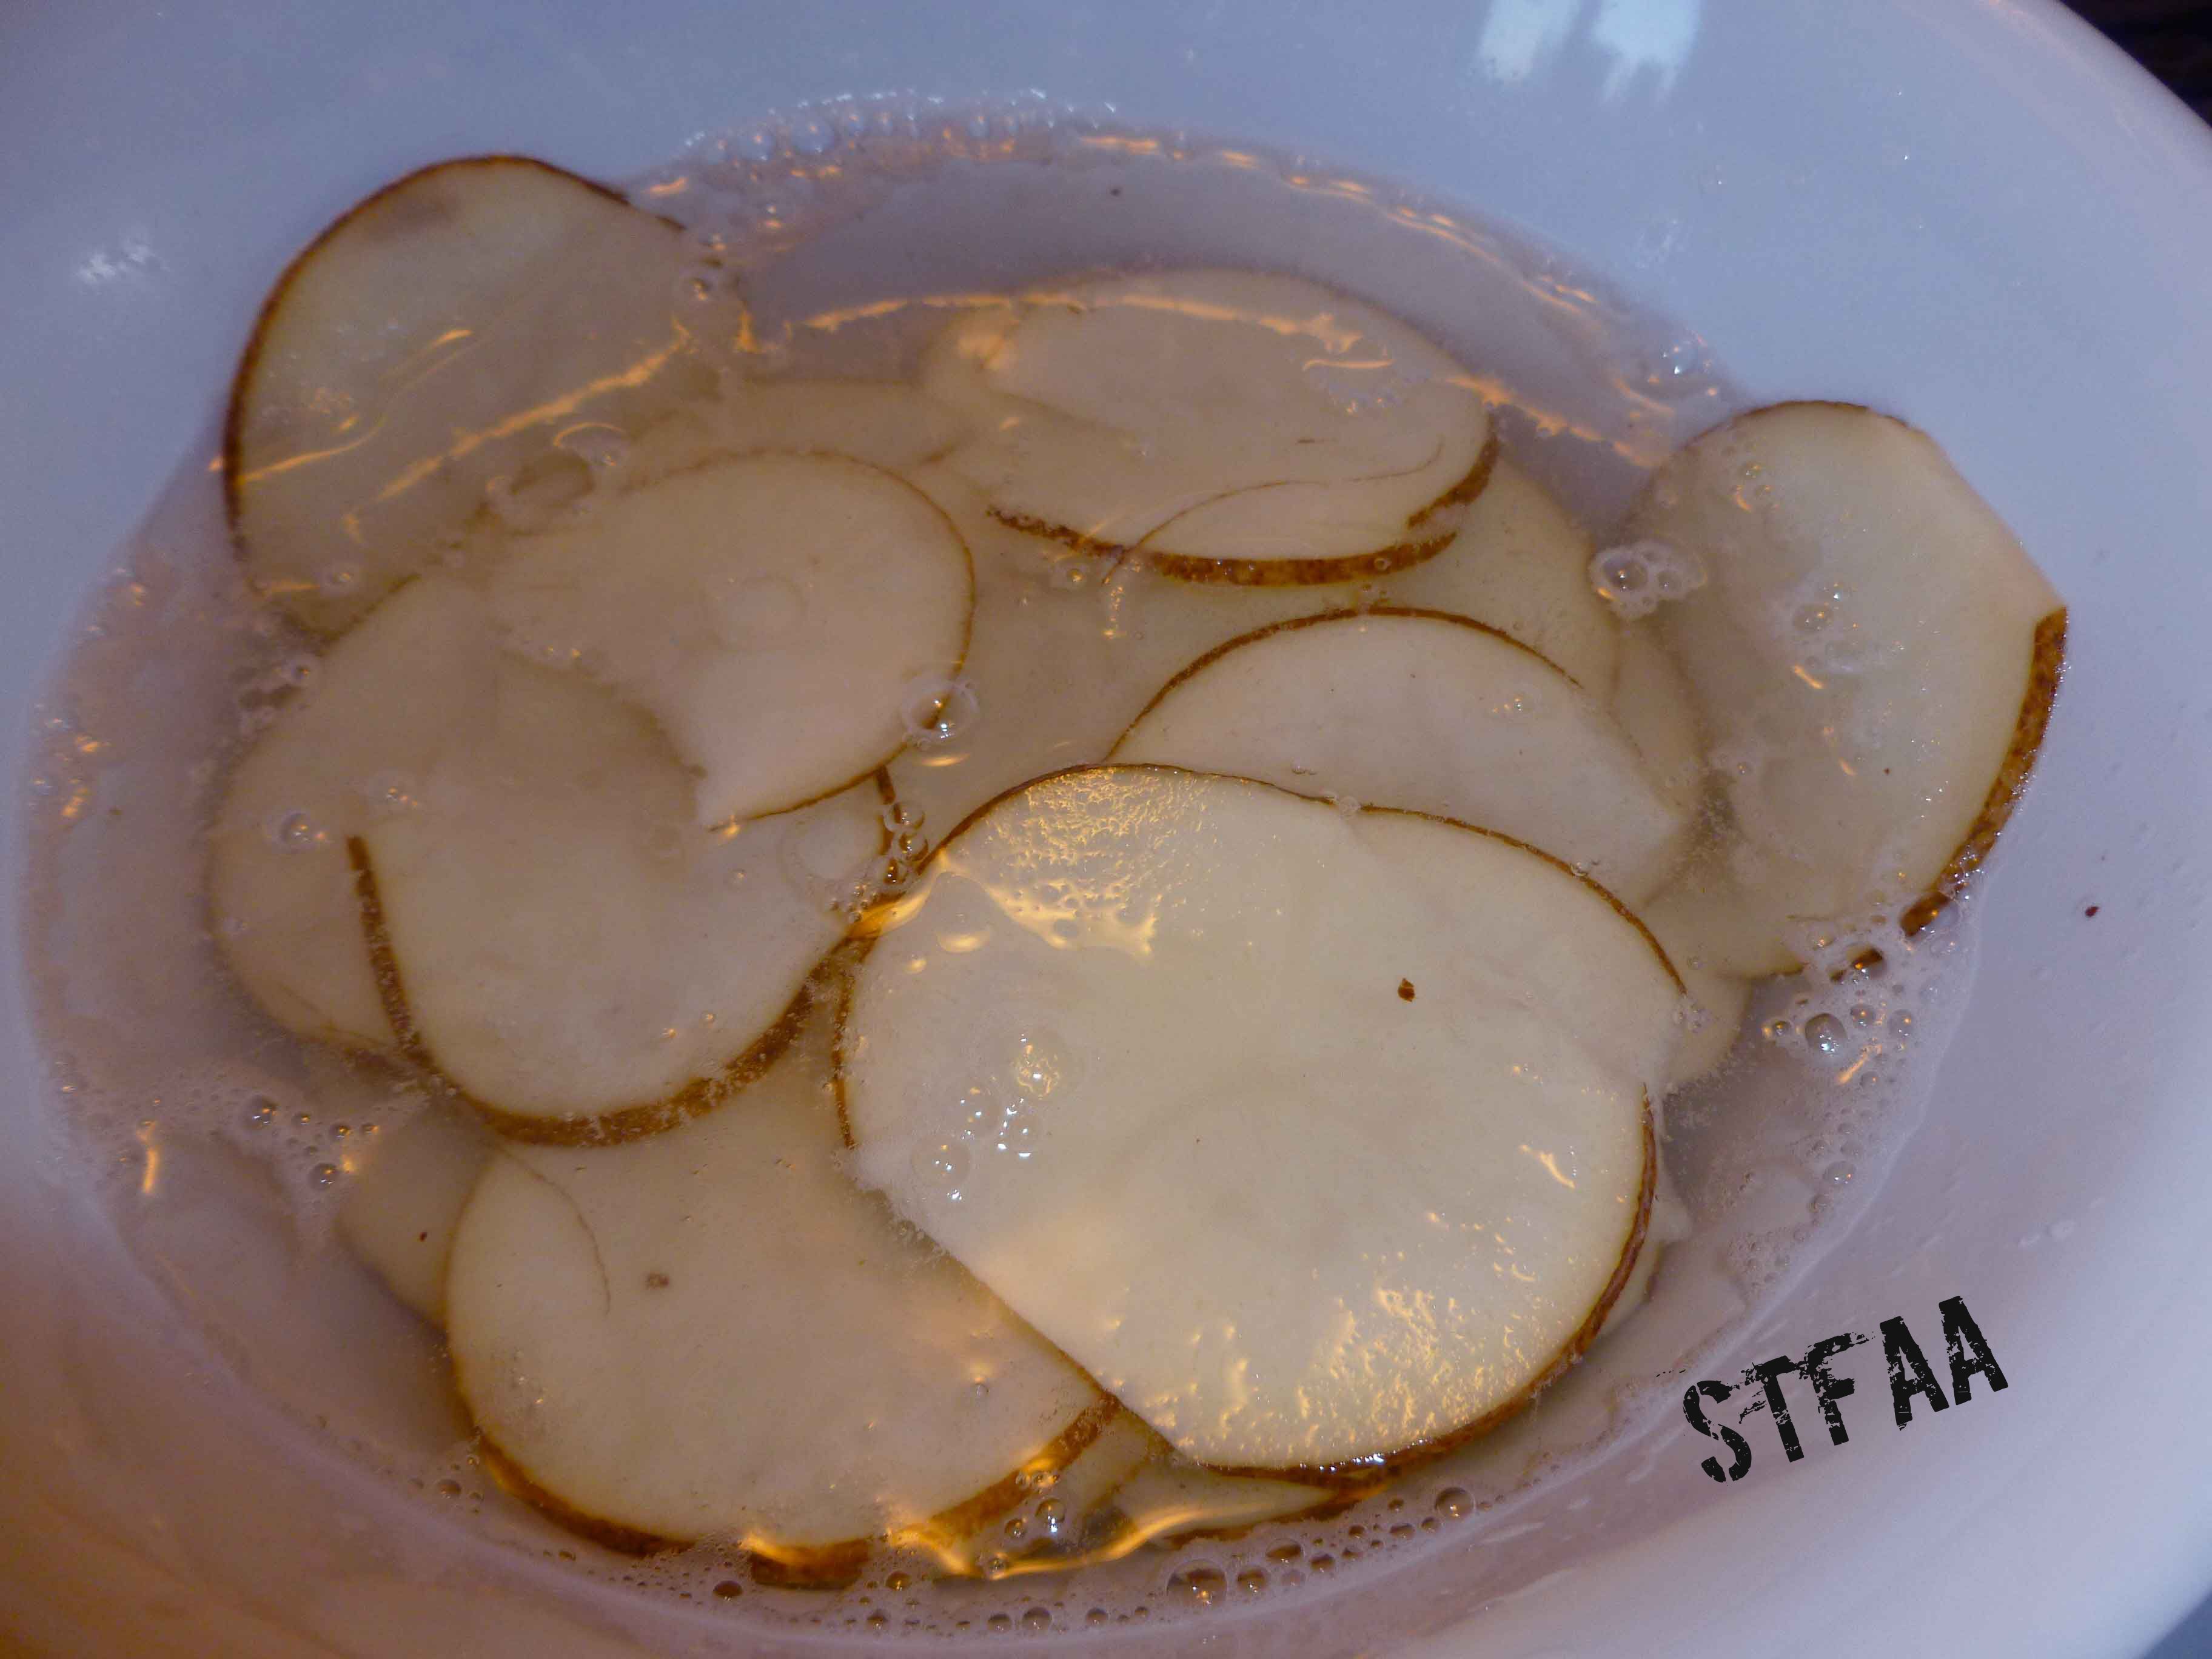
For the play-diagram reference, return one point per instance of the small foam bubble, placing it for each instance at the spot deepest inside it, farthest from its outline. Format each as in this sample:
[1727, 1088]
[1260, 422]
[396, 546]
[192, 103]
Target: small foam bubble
[293, 831]
[934, 710]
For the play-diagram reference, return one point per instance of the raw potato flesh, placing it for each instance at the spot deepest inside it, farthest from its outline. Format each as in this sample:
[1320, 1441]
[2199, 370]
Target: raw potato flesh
[404, 1200]
[1045, 686]
[775, 614]
[1068, 649]
[572, 951]
[1230, 426]
[1518, 564]
[1165, 1500]
[378, 709]
[1431, 712]
[1872, 657]
[1315, 1136]
[1521, 564]
[882, 423]
[1718, 1002]
[1122, 1492]
[1669, 1225]
[1651, 702]
[1708, 921]
[442, 335]
[715, 1333]
[504, 857]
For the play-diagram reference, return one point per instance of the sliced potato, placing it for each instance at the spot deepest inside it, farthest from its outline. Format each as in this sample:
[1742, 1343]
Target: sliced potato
[1169, 1499]
[713, 1334]
[1521, 564]
[1229, 425]
[1718, 1003]
[1077, 646]
[1669, 1225]
[406, 1196]
[572, 951]
[1429, 712]
[1872, 655]
[776, 614]
[378, 709]
[1651, 701]
[1248, 1103]
[1518, 564]
[440, 335]
[1709, 919]
[1124, 1490]
[883, 423]
[1044, 684]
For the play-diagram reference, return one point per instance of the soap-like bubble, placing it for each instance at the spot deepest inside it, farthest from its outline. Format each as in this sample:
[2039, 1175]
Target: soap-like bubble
[1636, 578]
[935, 710]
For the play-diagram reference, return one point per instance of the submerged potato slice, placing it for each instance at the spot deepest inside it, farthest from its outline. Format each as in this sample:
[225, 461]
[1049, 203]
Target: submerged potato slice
[572, 951]
[1718, 1001]
[440, 335]
[713, 1334]
[1651, 702]
[378, 709]
[1066, 650]
[1317, 1137]
[406, 1198]
[776, 614]
[1043, 686]
[1230, 426]
[449, 853]
[1521, 564]
[882, 423]
[1872, 655]
[1126, 1490]
[1429, 712]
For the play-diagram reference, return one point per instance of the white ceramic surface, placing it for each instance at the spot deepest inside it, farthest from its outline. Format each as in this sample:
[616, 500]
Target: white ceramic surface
[1971, 211]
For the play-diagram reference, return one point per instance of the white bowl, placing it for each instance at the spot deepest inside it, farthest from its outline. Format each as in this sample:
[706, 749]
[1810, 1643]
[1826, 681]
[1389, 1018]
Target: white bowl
[1980, 217]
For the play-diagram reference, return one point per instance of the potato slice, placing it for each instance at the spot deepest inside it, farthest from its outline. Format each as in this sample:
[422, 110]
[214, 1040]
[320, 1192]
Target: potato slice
[1872, 655]
[1669, 1225]
[1708, 920]
[405, 1199]
[1521, 564]
[1248, 1103]
[1066, 651]
[570, 950]
[1128, 1489]
[1169, 1499]
[1718, 1002]
[1651, 701]
[379, 707]
[1429, 712]
[1045, 685]
[440, 335]
[555, 932]
[887, 424]
[713, 1334]
[1518, 564]
[883, 423]
[776, 614]
[1230, 426]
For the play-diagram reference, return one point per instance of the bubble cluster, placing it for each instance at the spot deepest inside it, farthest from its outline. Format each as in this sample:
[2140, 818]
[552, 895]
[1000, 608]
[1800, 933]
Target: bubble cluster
[1636, 578]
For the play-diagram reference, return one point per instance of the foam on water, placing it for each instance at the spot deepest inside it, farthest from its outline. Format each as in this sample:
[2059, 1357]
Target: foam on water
[838, 239]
